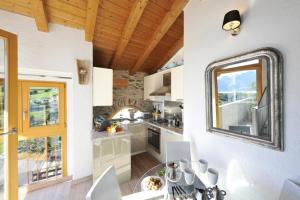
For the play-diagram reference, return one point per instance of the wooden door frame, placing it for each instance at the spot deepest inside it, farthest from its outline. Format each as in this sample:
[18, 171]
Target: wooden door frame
[11, 147]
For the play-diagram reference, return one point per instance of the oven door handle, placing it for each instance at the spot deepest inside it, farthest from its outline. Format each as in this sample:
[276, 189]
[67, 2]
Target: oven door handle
[154, 133]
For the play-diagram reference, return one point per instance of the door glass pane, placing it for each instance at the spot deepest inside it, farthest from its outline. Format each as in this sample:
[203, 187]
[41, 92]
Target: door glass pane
[44, 106]
[39, 159]
[3, 128]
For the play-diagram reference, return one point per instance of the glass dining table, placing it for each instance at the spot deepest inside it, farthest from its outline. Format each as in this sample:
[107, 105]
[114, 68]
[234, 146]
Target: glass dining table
[169, 189]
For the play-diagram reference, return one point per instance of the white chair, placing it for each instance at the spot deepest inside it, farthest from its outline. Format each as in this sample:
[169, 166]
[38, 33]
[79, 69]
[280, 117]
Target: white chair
[105, 187]
[178, 150]
[290, 191]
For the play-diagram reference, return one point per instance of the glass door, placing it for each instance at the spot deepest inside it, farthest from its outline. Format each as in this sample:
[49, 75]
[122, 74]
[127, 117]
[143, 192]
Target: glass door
[42, 132]
[8, 117]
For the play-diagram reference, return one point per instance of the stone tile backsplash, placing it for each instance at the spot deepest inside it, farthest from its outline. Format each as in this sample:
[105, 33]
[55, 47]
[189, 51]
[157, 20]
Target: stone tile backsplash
[131, 96]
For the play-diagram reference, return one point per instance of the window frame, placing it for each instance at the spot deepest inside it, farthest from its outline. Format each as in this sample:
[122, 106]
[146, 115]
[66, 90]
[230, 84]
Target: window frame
[220, 71]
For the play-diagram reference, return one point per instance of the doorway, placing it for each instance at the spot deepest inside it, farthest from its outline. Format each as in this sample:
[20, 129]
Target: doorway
[8, 116]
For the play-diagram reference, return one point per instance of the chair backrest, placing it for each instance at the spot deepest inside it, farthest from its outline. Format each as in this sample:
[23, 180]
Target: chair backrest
[290, 191]
[177, 151]
[105, 187]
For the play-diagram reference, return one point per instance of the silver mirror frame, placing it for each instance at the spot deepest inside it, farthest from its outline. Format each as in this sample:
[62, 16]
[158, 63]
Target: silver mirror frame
[275, 81]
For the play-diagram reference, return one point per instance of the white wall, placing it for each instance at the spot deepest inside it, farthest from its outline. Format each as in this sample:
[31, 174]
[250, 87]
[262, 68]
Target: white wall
[247, 171]
[57, 51]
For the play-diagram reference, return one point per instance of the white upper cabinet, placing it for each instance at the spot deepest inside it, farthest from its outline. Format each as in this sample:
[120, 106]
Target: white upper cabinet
[102, 87]
[177, 83]
[155, 81]
[152, 83]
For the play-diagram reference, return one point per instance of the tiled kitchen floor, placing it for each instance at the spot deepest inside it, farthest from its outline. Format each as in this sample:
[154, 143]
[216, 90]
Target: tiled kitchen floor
[140, 164]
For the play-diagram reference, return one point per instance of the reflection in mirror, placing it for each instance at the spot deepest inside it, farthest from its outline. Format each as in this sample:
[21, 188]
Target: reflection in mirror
[244, 97]
[240, 96]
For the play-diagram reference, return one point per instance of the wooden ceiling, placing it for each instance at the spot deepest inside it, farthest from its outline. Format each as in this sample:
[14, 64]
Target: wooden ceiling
[134, 35]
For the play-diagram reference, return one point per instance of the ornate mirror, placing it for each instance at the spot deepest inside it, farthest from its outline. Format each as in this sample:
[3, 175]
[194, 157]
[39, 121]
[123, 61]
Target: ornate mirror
[244, 97]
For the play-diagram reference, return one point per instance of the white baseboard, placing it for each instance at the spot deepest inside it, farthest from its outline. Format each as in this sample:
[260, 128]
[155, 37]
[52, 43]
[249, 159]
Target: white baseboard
[47, 183]
[138, 152]
[83, 179]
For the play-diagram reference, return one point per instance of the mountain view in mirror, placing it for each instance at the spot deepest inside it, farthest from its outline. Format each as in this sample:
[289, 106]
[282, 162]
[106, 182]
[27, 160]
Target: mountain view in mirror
[240, 96]
[244, 97]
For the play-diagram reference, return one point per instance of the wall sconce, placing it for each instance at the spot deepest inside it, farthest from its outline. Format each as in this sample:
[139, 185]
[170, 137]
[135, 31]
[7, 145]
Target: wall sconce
[83, 70]
[232, 22]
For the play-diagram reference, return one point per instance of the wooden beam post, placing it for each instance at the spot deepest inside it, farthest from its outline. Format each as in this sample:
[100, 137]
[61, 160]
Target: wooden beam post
[172, 51]
[160, 31]
[40, 16]
[91, 17]
[132, 21]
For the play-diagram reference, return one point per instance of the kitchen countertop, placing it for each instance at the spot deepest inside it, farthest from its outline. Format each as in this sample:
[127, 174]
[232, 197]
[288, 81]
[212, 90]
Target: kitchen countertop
[159, 125]
[105, 135]
[165, 126]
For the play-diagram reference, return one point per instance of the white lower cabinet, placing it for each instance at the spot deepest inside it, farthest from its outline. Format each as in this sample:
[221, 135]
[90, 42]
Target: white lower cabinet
[167, 136]
[112, 151]
[138, 137]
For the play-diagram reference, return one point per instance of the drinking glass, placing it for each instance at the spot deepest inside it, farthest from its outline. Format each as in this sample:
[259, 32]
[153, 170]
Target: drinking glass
[173, 172]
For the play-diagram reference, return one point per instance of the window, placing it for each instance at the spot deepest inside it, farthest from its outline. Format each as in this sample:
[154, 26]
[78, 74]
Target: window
[43, 103]
[39, 159]
[43, 108]
[128, 113]
[42, 139]
[237, 88]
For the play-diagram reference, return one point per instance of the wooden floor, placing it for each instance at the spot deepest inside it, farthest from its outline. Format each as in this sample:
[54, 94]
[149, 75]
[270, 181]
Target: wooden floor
[140, 164]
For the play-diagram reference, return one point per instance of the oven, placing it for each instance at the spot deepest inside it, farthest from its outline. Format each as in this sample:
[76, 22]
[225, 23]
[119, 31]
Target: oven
[154, 138]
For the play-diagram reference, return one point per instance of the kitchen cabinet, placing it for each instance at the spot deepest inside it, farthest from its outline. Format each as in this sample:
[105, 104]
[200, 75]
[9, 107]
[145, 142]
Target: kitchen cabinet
[155, 81]
[138, 137]
[102, 87]
[152, 83]
[113, 151]
[167, 136]
[177, 83]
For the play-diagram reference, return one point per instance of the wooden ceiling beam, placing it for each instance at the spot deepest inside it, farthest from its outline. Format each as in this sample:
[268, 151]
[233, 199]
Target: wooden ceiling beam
[131, 23]
[39, 13]
[160, 31]
[91, 18]
[171, 52]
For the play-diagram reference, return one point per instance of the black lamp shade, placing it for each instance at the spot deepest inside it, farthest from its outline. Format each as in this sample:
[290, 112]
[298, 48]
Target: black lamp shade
[232, 20]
